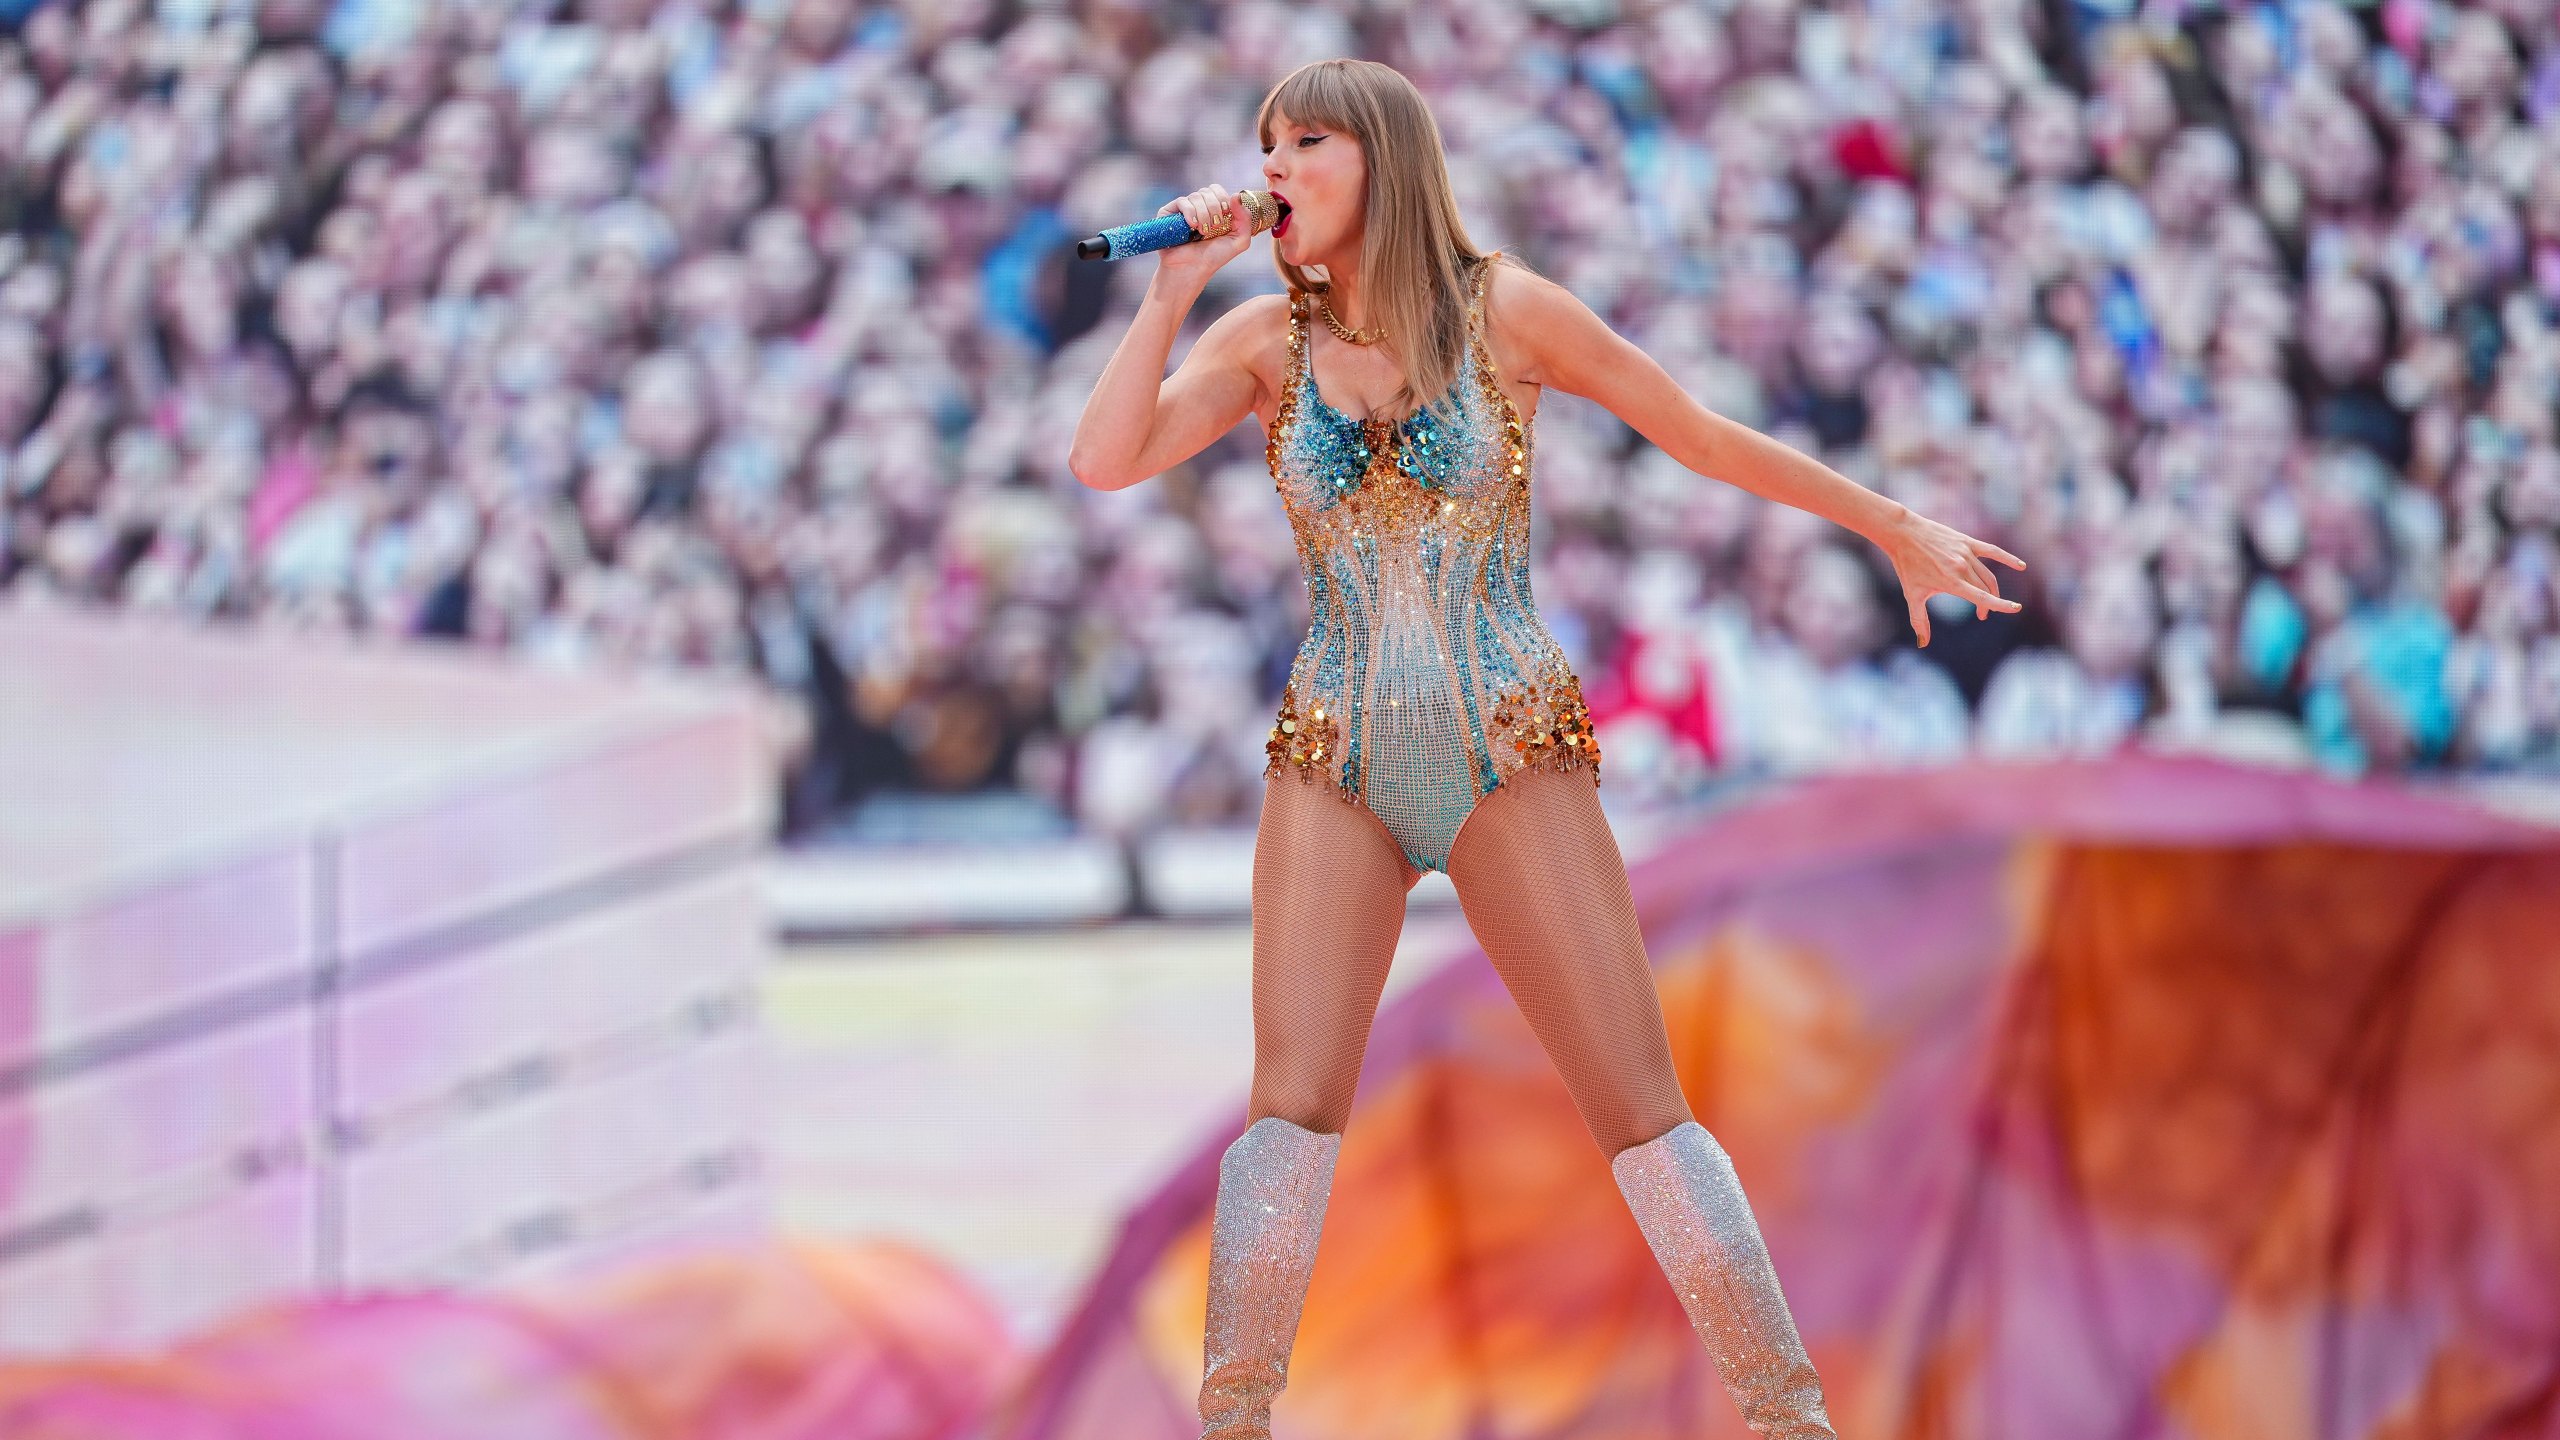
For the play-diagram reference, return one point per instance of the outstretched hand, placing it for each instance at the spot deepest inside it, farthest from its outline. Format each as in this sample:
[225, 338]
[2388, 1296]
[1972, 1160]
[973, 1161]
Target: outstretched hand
[1931, 559]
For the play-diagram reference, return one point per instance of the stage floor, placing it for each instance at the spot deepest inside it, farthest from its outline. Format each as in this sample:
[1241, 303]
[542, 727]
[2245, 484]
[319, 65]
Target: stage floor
[1003, 1099]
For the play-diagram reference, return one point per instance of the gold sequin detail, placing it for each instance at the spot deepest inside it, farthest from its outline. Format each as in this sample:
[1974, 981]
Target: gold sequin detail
[1548, 727]
[1303, 743]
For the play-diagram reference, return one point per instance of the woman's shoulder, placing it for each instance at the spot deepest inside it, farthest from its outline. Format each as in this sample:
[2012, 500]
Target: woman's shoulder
[1516, 298]
[1252, 335]
[1258, 319]
[1500, 272]
[1516, 309]
[1255, 327]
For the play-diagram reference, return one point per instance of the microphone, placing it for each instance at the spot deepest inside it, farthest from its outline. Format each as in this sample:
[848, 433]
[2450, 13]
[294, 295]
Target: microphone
[1165, 231]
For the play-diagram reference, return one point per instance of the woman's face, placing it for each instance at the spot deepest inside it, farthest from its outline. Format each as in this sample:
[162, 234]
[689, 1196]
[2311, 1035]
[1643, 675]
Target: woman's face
[1324, 177]
[466, 145]
[1831, 611]
[197, 297]
[2342, 329]
[308, 305]
[2114, 621]
[2051, 144]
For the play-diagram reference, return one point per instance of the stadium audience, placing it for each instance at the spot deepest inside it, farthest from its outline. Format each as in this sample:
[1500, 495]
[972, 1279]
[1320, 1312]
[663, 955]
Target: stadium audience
[743, 336]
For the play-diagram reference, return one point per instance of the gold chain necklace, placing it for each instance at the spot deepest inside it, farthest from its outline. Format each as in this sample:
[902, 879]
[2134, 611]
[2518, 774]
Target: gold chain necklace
[1334, 323]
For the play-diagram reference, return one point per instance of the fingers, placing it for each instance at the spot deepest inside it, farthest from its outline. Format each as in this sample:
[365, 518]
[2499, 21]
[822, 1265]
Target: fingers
[1212, 211]
[1983, 576]
[1982, 598]
[1919, 617]
[1192, 208]
[1984, 591]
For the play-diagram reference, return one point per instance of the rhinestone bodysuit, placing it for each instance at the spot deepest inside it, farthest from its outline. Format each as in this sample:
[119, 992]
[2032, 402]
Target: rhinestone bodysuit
[1426, 678]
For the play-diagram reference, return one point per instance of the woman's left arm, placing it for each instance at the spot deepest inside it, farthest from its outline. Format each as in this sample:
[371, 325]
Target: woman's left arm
[1559, 342]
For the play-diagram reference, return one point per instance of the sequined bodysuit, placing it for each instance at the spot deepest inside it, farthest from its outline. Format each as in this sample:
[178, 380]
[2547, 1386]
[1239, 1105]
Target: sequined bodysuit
[1426, 678]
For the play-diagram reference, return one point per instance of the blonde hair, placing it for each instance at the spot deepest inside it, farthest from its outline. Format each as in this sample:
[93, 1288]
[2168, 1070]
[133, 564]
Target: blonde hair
[1416, 261]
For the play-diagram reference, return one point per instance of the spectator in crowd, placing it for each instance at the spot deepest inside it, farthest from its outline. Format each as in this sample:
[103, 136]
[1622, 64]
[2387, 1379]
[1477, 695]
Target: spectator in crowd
[742, 336]
[2091, 696]
[1826, 693]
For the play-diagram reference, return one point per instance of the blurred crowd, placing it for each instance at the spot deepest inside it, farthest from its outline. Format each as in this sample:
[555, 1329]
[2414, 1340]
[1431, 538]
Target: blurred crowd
[743, 334]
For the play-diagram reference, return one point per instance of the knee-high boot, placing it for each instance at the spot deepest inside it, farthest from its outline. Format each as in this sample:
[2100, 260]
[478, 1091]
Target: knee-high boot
[1682, 1188]
[1273, 1183]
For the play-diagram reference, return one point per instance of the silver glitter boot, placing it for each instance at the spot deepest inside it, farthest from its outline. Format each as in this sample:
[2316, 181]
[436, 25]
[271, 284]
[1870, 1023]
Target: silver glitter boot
[1273, 1183]
[1682, 1188]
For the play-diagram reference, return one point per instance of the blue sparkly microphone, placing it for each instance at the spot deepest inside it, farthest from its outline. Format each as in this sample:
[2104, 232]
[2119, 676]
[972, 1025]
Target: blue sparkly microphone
[1165, 231]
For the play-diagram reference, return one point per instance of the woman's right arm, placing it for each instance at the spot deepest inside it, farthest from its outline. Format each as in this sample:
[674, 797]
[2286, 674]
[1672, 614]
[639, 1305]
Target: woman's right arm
[1140, 423]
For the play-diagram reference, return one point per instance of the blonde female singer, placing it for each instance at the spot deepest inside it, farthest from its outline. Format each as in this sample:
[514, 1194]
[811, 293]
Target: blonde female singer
[1430, 722]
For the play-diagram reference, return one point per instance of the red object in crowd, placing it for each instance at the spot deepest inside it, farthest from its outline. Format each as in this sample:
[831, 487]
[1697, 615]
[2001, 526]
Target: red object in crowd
[1869, 150]
[1688, 713]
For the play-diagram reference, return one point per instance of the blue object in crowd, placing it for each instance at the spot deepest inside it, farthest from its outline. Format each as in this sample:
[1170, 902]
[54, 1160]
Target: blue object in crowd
[2403, 645]
[2126, 322]
[2393, 82]
[2332, 731]
[1010, 276]
[693, 59]
[883, 29]
[2272, 629]
[357, 28]
[1624, 85]
[2399, 647]
[2090, 18]
[2278, 21]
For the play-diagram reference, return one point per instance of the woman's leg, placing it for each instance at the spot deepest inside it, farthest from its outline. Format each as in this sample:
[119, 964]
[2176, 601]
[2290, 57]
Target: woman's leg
[1545, 890]
[1329, 887]
[1328, 903]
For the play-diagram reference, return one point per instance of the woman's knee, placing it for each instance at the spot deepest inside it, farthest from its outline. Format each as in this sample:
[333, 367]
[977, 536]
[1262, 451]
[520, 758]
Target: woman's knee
[1311, 1105]
[1652, 1120]
[1623, 1081]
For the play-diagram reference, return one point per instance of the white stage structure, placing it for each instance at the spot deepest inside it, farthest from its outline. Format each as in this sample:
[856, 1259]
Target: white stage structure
[335, 968]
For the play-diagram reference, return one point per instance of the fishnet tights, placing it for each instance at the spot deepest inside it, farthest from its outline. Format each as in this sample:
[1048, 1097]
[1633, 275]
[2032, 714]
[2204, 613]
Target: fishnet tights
[1543, 886]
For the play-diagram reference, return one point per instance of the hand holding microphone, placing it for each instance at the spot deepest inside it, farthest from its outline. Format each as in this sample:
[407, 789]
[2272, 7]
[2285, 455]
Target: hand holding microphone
[1199, 231]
